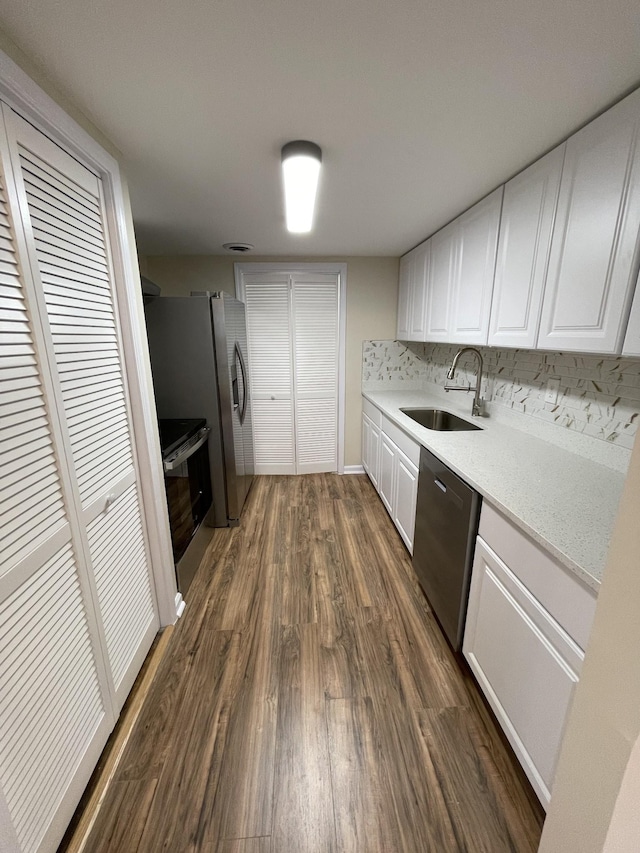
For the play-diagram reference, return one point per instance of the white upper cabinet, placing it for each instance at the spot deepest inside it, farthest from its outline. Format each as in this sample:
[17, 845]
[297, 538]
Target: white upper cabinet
[412, 294]
[632, 339]
[418, 289]
[476, 245]
[439, 284]
[524, 245]
[593, 262]
[404, 297]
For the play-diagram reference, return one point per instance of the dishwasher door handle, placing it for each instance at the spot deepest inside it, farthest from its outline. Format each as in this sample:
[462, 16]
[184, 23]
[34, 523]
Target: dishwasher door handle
[440, 484]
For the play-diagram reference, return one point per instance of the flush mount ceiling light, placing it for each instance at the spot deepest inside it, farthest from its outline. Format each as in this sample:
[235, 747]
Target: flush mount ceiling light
[301, 168]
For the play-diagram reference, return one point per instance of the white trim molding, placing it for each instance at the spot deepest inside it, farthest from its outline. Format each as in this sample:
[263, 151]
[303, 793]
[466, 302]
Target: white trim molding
[180, 605]
[353, 469]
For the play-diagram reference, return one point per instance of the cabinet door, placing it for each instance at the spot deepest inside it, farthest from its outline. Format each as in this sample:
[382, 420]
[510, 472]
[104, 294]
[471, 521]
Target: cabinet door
[632, 338]
[406, 491]
[524, 245]
[439, 283]
[374, 454]
[404, 297]
[366, 442]
[418, 283]
[386, 480]
[593, 263]
[525, 663]
[476, 244]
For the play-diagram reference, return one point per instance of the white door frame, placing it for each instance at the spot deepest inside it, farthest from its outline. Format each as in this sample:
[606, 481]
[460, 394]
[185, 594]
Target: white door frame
[23, 95]
[311, 267]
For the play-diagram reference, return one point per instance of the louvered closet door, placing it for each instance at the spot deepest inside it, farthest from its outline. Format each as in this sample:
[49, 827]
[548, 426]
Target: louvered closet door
[316, 345]
[56, 710]
[266, 298]
[66, 233]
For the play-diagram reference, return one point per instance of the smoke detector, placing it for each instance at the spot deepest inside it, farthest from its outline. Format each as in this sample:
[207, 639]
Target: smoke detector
[238, 248]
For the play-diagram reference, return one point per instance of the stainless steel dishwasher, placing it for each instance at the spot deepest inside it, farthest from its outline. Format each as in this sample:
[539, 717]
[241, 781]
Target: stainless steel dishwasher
[447, 516]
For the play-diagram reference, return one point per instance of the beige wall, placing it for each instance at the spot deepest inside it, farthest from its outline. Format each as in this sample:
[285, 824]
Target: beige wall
[39, 76]
[604, 723]
[372, 293]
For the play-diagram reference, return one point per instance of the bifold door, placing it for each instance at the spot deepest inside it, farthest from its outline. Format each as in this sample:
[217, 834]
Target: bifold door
[77, 603]
[293, 338]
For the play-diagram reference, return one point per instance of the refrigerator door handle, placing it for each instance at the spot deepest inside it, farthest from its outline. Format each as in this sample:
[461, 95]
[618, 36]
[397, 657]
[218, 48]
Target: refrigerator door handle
[245, 386]
[234, 384]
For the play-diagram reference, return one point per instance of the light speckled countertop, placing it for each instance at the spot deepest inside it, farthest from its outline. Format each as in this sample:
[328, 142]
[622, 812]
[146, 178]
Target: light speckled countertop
[564, 501]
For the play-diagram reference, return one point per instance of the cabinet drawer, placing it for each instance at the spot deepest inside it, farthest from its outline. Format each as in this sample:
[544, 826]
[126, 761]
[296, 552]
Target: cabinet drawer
[407, 445]
[566, 598]
[526, 665]
[372, 411]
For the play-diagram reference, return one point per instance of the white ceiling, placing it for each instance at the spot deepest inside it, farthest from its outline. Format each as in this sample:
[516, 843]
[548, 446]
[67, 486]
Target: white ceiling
[420, 107]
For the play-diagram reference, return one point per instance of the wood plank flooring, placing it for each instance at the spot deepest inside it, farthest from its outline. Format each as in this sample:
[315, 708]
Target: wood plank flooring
[308, 702]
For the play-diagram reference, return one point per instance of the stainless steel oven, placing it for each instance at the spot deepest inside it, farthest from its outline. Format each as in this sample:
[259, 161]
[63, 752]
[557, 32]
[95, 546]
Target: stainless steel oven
[187, 477]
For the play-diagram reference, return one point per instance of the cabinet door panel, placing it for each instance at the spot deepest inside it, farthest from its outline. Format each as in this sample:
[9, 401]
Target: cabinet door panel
[593, 262]
[525, 663]
[374, 454]
[524, 245]
[406, 491]
[477, 237]
[439, 284]
[419, 269]
[632, 338]
[386, 481]
[404, 297]
[366, 443]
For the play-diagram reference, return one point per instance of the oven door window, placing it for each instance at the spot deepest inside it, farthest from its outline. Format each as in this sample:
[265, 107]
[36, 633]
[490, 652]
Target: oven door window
[188, 498]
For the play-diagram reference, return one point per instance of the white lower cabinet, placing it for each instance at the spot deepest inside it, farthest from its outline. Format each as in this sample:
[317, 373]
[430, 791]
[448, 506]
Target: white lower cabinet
[406, 493]
[386, 481]
[370, 448]
[526, 662]
[391, 460]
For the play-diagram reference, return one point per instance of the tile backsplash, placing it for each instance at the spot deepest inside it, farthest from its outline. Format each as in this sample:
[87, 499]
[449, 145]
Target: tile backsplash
[598, 396]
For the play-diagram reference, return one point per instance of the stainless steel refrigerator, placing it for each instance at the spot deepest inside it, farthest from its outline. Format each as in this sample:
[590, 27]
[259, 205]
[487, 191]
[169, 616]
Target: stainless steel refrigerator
[198, 347]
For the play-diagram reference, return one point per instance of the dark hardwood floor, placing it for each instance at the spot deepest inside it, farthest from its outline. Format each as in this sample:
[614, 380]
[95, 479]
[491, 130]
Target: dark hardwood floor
[308, 703]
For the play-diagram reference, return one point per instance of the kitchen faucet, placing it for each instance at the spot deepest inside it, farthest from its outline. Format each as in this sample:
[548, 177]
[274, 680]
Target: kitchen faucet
[478, 403]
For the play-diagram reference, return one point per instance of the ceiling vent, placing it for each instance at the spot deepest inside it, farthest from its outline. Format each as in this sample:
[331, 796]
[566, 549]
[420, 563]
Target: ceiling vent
[238, 248]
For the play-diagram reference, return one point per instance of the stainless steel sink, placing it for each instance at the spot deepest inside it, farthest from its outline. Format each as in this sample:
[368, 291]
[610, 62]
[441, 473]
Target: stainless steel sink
[438, 419]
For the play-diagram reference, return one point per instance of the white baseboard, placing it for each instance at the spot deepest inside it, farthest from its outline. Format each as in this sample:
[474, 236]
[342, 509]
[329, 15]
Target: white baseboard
[353, 469]
[180, 605]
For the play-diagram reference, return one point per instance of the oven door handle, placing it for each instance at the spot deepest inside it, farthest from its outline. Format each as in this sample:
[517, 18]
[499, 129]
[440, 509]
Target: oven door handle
[172, 464]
